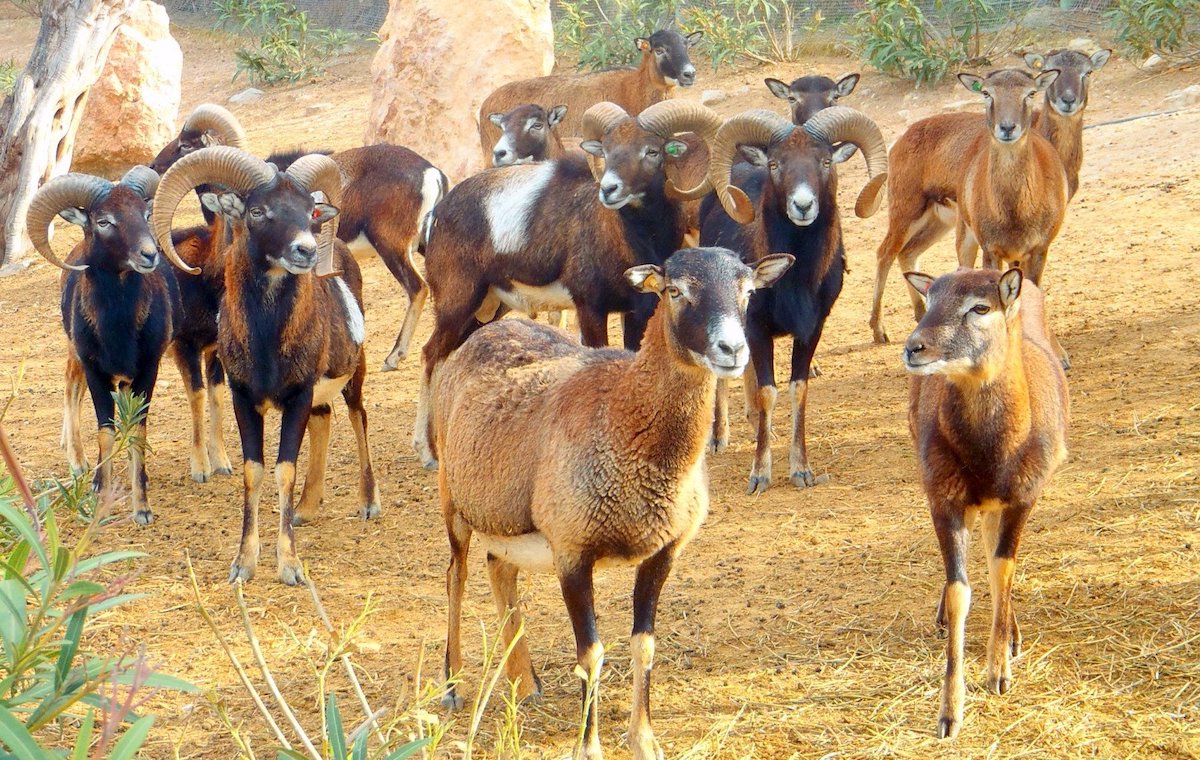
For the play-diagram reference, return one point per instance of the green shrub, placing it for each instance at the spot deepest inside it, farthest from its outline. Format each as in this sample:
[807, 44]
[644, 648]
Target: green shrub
[287, 48]
[51, 592]
[1170, 28]
[8, 76]
[901, 38]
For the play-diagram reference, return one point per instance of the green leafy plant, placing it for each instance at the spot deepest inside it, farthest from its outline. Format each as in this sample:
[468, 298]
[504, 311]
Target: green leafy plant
[287, 47]
[924, 43]
[8, 75]
[51, 591]
[1170, 28]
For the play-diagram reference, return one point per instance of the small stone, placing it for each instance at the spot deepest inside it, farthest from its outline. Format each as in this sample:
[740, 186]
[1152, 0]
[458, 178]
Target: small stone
[1083, 45]
[711, 97]
[743, 90]
[1185, 98]
[248, 95]
[1153, 61]
[317, 108]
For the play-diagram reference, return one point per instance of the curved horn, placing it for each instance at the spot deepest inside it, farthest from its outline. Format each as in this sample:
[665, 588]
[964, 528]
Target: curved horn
[141, 179]
[596, 121]
[224, 165]
[840, 124]
[319, 172]
[758, 127]
[670, 117]
[68, 191]
[224, 125]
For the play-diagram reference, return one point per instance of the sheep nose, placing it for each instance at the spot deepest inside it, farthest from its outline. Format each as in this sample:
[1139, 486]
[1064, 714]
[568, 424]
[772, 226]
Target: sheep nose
[607, 189]
[688, 75]
[499, 155]
[304, 249]
[1007, 128]
[803, 207]
[731, 348]
[913, 347]
[1068, 98]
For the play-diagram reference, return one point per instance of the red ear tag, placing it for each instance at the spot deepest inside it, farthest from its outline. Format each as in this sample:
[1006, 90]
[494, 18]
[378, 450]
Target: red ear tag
[316, 213]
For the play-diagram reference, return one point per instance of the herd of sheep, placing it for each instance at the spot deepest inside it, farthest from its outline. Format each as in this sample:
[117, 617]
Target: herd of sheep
[711, 238]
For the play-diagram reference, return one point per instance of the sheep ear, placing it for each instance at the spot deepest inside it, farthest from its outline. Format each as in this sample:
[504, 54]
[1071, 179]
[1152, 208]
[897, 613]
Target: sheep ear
[846, 84]
[919, 282]
[231, 205]
[754, 155]
[694, 38]
[647, 278]
[642, 43]
[1099, 58]
[844, 152]
[777, 88]
[1010, 288]
[323, 212]
[595, 147]
[74, 216]
[496, 118]
[1046, 78]
[1035, 61]
[211, 202]
[557, 114]
[769, 269]
[971, 82]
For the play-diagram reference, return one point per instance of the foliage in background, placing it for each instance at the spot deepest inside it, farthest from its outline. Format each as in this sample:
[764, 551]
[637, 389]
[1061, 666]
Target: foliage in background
[1170, 28]
[287, 47]
[899, 37]
[51, 592]
[600, 33]
[8, 76]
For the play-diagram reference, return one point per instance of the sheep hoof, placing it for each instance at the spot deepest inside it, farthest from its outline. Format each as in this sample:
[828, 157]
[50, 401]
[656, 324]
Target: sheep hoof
[79, 471]
[1066, 363]
[881, 336]
[999, 685]
[226, 470]
[143, 516]
[371, 510]
[451, 701]
[199, 477]
[291, 573]
[241, 571]
[429, 464]
[303, 518]
[947, 727]
[805, 479]
[814, 370]
[388, 366]
[717, 445]
[758, 484]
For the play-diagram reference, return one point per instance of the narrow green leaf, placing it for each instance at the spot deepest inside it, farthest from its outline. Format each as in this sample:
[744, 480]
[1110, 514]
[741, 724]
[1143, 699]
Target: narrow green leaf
[84, 740]
[20, 523]
[333, 729]
[91, 563]
[81, 588]
[132, 740]
[12, 615]
[408, 750]
[16, 738]
[116, 601]
[291, 754]
[14, 566]
[159, 681]
[62, 562]
[66, 655]
[360, 746]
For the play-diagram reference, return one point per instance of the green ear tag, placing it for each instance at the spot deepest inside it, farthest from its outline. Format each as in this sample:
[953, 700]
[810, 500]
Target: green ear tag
[977, 86]
[673, 149]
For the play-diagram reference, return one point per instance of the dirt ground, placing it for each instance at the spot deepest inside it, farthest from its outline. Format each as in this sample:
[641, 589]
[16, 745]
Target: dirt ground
[799, 623]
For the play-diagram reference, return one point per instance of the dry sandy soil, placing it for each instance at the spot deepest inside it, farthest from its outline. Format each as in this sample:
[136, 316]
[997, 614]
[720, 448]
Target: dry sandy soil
[799, 623]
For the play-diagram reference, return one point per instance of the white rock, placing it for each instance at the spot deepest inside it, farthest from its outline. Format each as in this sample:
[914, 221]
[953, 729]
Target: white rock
[1083, 45]
[438, 60]
[248, 95]
[317, 108]
[710, 97]
[132, 109]
[1153, 61]
[1185, 98]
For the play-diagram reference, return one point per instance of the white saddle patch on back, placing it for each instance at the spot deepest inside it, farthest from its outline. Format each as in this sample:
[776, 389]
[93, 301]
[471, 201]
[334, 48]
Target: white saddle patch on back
[354, 315]
[509, 205]
[533, 298]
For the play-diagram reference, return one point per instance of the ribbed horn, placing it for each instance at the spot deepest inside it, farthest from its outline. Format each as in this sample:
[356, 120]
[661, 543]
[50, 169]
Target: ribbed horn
[221, 164]
[842, 124]
[317, 172]
[670, 117]
[143, 180]
[210, 117]
[597, 120]
[758, 127]
[68, 191]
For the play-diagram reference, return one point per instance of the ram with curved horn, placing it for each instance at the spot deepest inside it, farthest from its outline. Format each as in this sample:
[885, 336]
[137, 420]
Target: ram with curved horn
[540, 237]
[119, 309]
[288, 339]
[785, 201]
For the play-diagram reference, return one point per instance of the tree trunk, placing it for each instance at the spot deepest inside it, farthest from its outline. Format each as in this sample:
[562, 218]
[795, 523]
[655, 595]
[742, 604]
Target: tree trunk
[38, 121]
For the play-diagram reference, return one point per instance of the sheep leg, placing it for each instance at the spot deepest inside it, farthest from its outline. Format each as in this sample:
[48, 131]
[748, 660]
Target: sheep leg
[291, 434]
[1037, 264]
[72, 433]
[720, 431]
[250, 430]
[187, 361]
[459, 534]
[802, 354]
[762, 355]
[593, 326]
[368, 493]
[398, 256]
[1002, 533]
[100, 387]
[575, 578]
[217, 454]
[954, 538]
[904, 242]
[318, 456]
[519, 667]
[967, 247]
[143, 385]
[651, 575]
[750, 392]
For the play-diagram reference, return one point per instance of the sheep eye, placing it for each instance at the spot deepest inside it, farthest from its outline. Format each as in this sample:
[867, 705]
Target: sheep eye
[673, 291]
[773, 165]
[660, 51]
[256, 213]
[828, 162]
[981, 309]
[103, 223]
[537, 126]
[651, 153]
[791, 98]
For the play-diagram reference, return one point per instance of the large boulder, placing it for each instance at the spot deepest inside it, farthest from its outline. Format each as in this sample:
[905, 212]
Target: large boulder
[131, 111]
[439, 59]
